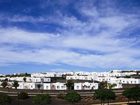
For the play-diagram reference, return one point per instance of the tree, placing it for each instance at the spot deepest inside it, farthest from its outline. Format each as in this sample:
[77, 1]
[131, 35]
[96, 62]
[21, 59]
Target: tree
[73, 97]
[110, 95]
[127, 94]
[110, 86]
[15, 84]
[24, 79]
[103, 85]
[104, 94]
[4, 99]
[27, 75]
[6, 79]
[132, 93]
[39, 86]
[23, 95]
[70, 85]
[4, 84]
[42, 99]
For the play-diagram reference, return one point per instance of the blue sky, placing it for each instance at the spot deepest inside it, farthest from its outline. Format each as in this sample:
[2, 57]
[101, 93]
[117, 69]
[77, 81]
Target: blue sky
[69, 35]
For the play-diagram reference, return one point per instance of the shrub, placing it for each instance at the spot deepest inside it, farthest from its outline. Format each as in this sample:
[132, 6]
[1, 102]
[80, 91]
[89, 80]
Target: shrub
[42, 99]
[61, 96]
[4, 99]
[4, 84]
[73, 97]
[15, 84]
[70, 85]
[104, 94]
[132, 93]
[23, 95]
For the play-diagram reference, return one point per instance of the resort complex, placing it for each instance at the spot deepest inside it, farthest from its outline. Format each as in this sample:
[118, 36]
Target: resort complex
[115, 79]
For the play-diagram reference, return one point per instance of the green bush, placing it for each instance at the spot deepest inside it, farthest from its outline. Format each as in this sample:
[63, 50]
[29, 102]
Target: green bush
[4, 84]
[42, 99]
[23, 95]
[15, 84]
[61, 96]
[4, 99]
[105, 95]
[73, 97]
[70, 85]
[132, 93]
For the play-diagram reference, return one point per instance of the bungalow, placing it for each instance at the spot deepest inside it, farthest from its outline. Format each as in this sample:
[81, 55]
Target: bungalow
[85, 86]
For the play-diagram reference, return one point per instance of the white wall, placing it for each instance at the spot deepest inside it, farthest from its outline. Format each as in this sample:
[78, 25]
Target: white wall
[77, 86]
[58, 86]
[47, 86]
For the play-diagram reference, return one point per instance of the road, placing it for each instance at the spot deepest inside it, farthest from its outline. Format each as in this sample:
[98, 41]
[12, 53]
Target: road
[55, 93]
[117, 103]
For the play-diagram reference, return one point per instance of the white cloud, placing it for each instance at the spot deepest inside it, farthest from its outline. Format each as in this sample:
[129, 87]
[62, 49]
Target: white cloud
[98, 35]
[17, 36]
[53, 49]
[51, 56]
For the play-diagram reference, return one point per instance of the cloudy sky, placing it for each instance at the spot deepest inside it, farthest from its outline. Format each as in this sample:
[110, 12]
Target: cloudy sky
[69, 35]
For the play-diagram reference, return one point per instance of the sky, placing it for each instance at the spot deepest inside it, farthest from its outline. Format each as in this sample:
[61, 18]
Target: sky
[69, 35]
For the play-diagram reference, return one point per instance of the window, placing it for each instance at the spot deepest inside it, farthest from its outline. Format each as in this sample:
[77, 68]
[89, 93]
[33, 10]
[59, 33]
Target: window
[77, 87]
[46, 87]
[57, 87]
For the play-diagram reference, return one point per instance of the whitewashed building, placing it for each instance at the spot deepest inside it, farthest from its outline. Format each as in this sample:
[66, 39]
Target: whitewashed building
[117, 77]
[86, 86]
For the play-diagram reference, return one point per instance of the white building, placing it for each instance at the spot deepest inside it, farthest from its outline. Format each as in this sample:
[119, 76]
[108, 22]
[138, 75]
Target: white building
[86, 86]
[55, 86]
[117, 77]
[26, 85]
[58, 86]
